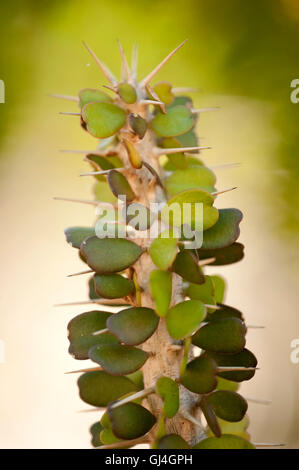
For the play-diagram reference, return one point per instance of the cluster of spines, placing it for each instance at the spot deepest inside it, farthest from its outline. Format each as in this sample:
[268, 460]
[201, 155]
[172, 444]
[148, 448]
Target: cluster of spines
[147, 139]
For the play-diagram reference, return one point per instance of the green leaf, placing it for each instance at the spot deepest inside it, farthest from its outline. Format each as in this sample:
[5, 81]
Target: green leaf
[182, 101]
[163, 251]
[169, 392]
[76, 235]
[210, 416]
[225, 312]
[133, 154]
[91, 290]
[103, 119]
[172, 441]
[127, 93]
[89, 95]
[137, 378]
[244, 358]
[219, 285]
[200, 375]
[98, 388]
[224, 384]
[225, 336]
[80, 330]
[186, 265]
[237, 429]
[175, 160]
[199, 177]
[130, 421]
[109, 255]
[228, 255]
[95, 431]
[119, 185]
[189, 139]
[225, 232]
[229, 406]
[138, 125]
[204, 292]
[107, 436]
[184, 318]
[112, 286]
[161, 290]
[134, 325]
[180, 216]
[226, 441]
[163, 90]
[118, 359]
[178, 120]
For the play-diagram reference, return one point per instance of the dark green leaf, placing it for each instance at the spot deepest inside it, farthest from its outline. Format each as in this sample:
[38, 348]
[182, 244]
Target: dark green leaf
[133, 325]
[118, 359]
[99, 388]
[103, 119]
[76, 235]
[109, 255]
[225, 312]
[226, 335]
[186, 265]
[130, 421]
[200, 375]
[112, 286]
[91, 289]
[119, 185]
[225, 232]
[244, 358]
[210, 416]
[138, 125]
[228, 255]
[229, 406]
[184, 318]
[172, 441]
[80, 330]
[95, 431]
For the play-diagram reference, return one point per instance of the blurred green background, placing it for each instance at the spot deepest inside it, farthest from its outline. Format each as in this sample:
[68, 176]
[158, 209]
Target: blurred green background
[243, 56]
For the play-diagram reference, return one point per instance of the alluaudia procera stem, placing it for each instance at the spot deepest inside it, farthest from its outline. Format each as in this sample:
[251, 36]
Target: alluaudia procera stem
[170, 361]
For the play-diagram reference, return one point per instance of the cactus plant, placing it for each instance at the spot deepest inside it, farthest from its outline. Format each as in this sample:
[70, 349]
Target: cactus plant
[174, 352]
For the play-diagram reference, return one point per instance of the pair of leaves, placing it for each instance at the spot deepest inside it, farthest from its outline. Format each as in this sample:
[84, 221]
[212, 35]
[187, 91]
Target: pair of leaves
[80, 330]
[109, 255]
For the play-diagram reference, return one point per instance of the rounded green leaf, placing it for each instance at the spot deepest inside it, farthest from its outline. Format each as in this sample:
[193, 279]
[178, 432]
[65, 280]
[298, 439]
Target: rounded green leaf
[225, 232]
[118, 359]
[112, 286]
[228, 405]
[109, 255]
[89, 95]
[219, 285]
[228, 255]
[76, 235]
[175, 213]
[119, 185]
[80, 330]
[138, 125]
[200, 375]
[189, 139]
[226, 441]
[127, 93]
[199, 177]
[134, 325]
[98, 388]
[163, 251]
[244, 358]
[225, 311]
[95, 431]
[176, 121]
[224, 384]
[103, 119]
[169, 392]
[130, 421]
[172, 441]
[186, 265]
[163, 90]
[161, 290]
[204, 292]
[184, 318]
[226, 335]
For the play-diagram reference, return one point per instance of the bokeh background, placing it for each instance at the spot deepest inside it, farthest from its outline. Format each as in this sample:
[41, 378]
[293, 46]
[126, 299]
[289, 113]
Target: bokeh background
[243, 56]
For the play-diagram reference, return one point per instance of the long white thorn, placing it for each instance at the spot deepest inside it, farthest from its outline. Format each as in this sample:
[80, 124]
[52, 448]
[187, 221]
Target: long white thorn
[258, 401]
[142, 394]
[77, 151]
[224, 191]
[215, 307]
[109, 302]
[134, 63]
[205, 110]
[125, 64]
[203, 262]
[108, 74]
[225, 165]
[256, 327]
[81, 272]
[100, 332]
[154, 102]
[267, 444]
[64, 97]
[82, 201]
[185, 89]
[151, 75]
[67, 113]
[89, 369]
[235, 368]
[161, 151]
[101, 172]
